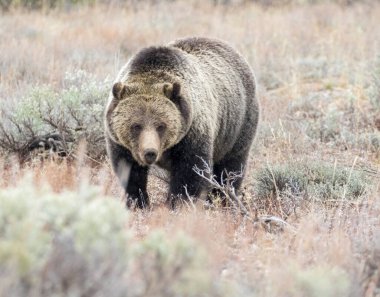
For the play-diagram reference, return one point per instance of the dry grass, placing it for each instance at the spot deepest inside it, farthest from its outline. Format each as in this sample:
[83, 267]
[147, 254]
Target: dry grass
[315, 67]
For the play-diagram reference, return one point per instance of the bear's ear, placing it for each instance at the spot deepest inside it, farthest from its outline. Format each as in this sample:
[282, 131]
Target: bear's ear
[120, 90]
[172, 91]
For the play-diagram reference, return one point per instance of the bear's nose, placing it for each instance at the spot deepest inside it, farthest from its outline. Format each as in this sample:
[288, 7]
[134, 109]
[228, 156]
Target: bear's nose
[150, 156]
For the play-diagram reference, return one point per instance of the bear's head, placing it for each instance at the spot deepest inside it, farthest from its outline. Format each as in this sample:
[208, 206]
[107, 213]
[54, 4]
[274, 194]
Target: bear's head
[147, 123]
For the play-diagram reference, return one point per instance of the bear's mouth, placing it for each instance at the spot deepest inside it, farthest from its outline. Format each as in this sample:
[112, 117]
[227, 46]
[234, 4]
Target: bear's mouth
[148, 157]
[149, 144]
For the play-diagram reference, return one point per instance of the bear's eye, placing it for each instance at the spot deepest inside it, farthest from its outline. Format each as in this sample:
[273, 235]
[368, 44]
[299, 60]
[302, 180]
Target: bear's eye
[136, 128]
[161, 128]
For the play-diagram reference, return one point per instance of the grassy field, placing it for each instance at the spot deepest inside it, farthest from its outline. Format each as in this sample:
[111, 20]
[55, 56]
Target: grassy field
[308, 224]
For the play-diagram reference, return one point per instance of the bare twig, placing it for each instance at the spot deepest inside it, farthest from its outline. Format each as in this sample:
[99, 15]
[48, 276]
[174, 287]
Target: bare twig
[226, 187]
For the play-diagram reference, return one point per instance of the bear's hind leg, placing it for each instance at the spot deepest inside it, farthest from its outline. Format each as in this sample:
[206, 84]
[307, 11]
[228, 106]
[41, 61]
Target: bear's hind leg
[185, 182]
[232, 163]
[236, 160]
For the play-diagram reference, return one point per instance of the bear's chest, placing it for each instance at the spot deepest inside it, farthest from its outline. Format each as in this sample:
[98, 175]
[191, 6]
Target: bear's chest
[165, 161]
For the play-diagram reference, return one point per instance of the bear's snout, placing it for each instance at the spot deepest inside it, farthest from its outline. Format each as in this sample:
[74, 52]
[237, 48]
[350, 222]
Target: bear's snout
[149, 146]
[150, 156]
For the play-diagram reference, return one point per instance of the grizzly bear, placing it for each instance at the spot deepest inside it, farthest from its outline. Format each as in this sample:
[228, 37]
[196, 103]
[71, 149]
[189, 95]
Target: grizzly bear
[178, 106]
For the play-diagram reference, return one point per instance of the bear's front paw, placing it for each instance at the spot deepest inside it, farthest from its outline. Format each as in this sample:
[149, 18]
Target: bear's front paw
[141, 202]
[175, 200]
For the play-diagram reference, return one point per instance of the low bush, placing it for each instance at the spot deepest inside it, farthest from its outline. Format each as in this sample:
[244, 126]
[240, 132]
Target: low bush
[317, 181]
[335, 117]
[76, 243]
[57, 122]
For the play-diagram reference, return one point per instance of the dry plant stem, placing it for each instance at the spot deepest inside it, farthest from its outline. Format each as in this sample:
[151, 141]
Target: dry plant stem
[227, 188]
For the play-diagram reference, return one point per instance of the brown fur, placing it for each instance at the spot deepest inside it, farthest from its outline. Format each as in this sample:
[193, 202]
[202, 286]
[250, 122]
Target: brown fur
[202, 92]
[150, 113]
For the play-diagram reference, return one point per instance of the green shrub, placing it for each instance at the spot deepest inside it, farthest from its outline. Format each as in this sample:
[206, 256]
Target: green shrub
[77, 243]
[176, 268]
[57, 121]
[42, 4]
[318, 181]
[332, 116]
[53, 243]
[321, 281]
[311, 280]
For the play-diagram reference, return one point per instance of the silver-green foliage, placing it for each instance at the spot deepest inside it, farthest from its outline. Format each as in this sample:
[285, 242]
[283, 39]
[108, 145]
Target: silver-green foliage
[77, 243]
[321, 281]
[320, 181]
[6, 5]
[333, 116]
[74, 113]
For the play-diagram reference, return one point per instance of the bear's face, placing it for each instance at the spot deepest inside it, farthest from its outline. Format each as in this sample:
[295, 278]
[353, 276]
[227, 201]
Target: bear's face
[146, 125]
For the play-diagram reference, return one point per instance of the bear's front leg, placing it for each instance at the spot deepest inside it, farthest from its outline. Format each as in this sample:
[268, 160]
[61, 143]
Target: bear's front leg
[132, 177]
[184, 181]
[137, 186]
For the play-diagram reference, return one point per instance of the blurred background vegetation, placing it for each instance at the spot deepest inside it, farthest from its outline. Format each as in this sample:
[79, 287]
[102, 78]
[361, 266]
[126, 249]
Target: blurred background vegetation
[314, 166]
[7, 5]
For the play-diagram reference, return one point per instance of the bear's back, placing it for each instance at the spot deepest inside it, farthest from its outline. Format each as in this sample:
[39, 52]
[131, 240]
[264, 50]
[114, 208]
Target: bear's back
[209, 50]
[200, 45]
[156, 58]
